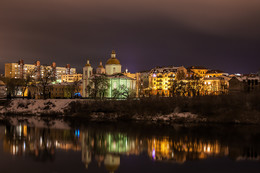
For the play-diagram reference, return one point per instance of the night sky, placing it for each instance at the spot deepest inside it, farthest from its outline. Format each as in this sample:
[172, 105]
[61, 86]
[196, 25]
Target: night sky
[219, 34]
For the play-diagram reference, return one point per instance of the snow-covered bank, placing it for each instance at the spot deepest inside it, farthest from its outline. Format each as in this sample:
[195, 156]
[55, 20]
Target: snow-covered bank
[61, 107]
[36, 107]
[147, 110]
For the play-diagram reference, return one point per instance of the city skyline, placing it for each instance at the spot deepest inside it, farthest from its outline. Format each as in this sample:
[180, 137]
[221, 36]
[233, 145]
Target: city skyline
[215, 34]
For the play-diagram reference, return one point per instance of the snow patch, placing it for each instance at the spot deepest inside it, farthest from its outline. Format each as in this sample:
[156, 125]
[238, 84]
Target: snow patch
[36, 107]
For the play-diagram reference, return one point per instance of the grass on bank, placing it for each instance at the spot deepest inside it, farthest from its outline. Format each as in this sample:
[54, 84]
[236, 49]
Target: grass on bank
[224, 107]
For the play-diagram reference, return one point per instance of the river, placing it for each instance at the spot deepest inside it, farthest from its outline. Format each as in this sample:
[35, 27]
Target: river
[128, 147]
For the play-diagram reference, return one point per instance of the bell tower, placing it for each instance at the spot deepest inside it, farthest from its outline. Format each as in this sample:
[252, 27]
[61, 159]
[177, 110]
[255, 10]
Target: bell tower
[87, 73]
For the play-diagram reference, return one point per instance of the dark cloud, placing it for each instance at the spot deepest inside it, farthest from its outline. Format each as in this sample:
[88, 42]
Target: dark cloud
[221, 34]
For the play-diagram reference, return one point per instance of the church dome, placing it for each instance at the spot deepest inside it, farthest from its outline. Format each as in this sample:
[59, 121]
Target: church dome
[88, 64]
[113, 59]
[100, 65]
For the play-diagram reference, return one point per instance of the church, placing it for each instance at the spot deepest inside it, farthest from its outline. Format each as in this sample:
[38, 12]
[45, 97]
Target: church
[117, 81]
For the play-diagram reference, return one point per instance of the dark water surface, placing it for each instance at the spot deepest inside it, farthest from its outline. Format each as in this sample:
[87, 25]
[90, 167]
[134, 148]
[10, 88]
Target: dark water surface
[128, 148]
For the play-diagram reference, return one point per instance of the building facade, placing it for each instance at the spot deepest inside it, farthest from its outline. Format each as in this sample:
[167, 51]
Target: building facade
[197, 71]
[245, 83]
[215, 73]
[69, 78]
[161, 79]
[117, 81]
[19, 70]
[113, 65]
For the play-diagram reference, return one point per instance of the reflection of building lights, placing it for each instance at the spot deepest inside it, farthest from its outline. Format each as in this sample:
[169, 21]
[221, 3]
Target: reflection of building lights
[40, 141]
[24, 146]
[208, 149]
[153, 154]
[77, 133]
[114, 145]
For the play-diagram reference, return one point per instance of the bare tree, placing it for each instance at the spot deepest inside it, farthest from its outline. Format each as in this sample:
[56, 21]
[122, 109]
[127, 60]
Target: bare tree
[12, 86]
[44, 82]
[27, 81]
[98, 86]
[121, 92]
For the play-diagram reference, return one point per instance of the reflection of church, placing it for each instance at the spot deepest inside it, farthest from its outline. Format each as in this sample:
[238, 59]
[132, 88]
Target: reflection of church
[111, 161]
[113, 72]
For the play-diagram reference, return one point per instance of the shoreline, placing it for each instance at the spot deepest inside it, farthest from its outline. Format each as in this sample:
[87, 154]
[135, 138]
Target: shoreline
[154, 110]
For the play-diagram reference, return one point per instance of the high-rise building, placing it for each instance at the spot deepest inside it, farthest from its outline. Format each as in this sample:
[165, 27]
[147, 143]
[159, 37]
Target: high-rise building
[69, 78]
[20, 70]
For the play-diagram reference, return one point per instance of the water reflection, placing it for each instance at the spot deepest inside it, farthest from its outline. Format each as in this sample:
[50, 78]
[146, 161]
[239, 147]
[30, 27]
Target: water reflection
[107, 147]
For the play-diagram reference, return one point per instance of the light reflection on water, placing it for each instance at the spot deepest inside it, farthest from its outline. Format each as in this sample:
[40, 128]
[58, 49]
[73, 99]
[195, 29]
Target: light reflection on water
[107, 147]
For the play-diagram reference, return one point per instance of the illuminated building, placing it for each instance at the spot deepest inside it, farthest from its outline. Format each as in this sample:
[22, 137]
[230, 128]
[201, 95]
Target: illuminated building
[161, 79]
[113, 65]
[216, 85]
[215, 73]
[112, 73]
[87, 73]
[245, 83]
[60, 90]
[101, 69]
[19, 70]
[142, 84]
[197, 71]
[118, 80]
[68, 78]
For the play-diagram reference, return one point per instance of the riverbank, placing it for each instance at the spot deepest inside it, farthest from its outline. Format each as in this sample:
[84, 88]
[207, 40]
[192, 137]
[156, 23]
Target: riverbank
[243, 108]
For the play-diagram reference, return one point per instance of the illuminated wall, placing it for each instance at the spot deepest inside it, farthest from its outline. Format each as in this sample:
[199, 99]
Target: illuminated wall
[19, 70]
[160, 83]
[116, 81]
[215, 86]
[69, 78]
[198, 71]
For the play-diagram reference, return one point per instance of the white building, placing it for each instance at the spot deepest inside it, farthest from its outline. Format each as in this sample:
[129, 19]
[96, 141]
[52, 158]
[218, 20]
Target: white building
[113, 73]
[113, 65]
[87, 73]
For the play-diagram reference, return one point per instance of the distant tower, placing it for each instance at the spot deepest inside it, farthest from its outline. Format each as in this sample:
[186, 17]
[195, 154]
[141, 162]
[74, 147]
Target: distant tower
[68, 69]
[113, 65]
[38, 69]
[21, 68]
[53, 66]
[87, 73]
[101, 69]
